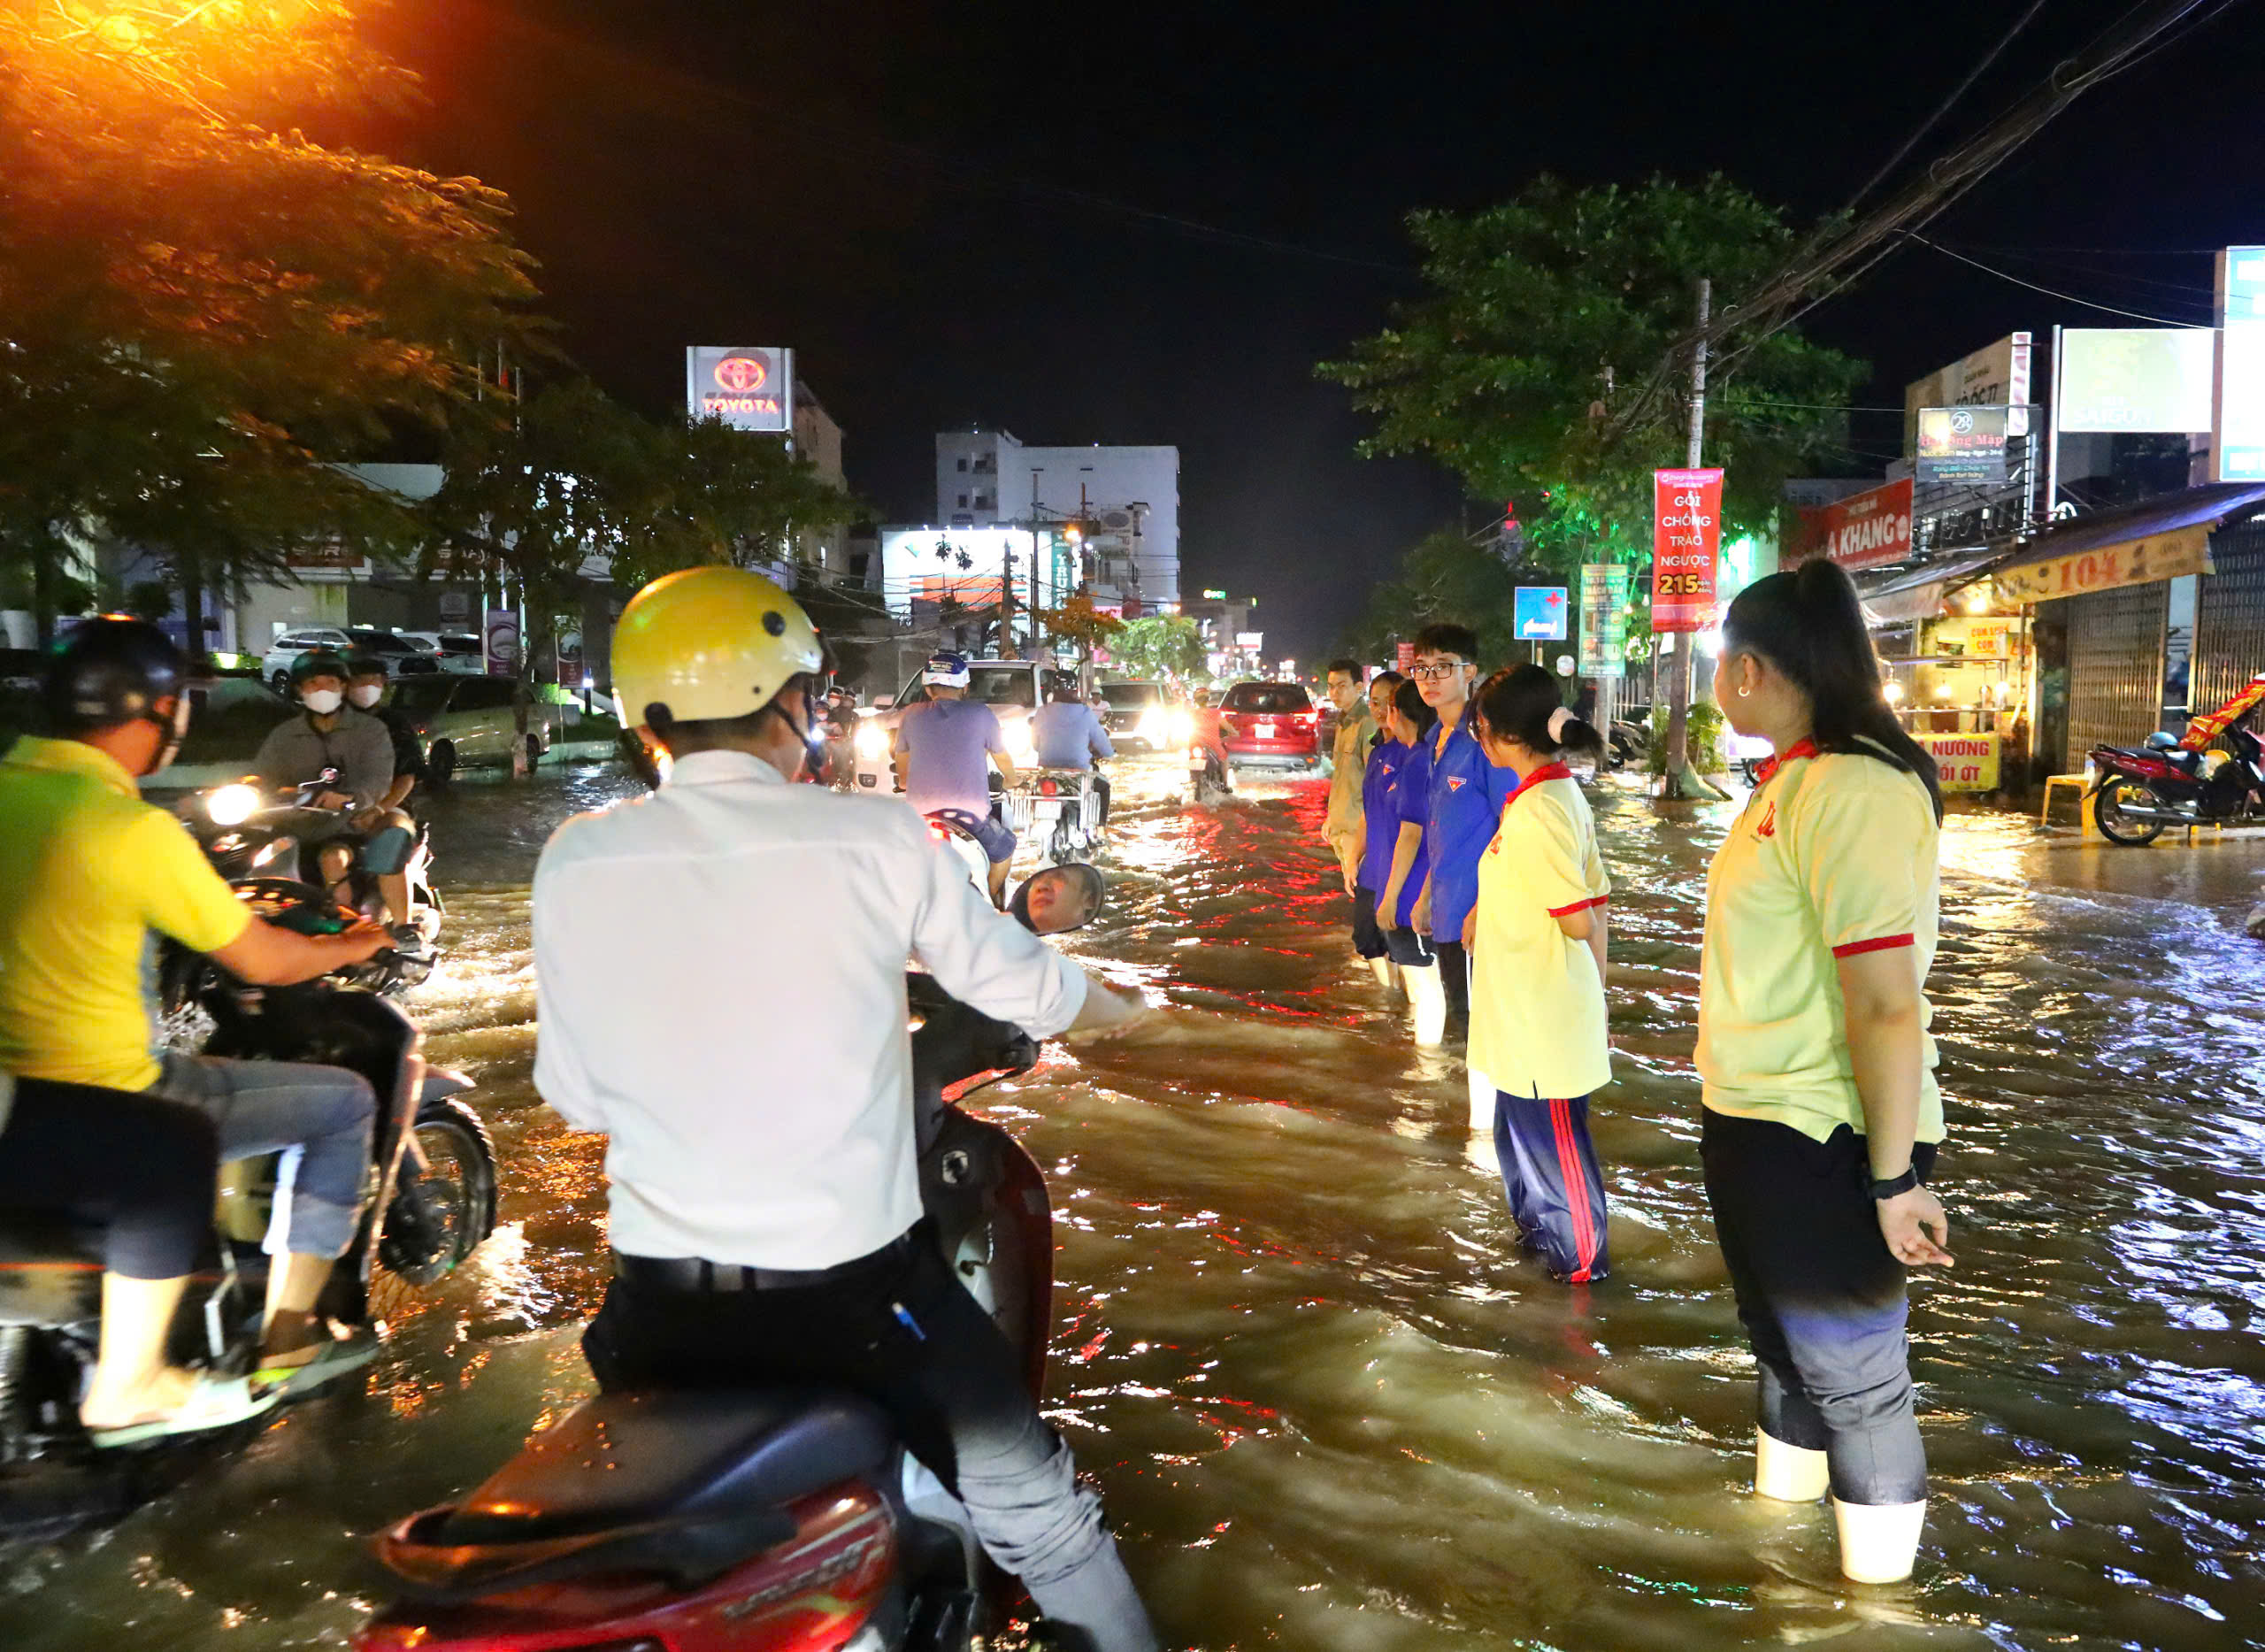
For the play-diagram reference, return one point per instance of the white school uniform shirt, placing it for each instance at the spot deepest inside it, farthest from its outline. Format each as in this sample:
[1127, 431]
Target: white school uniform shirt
[720, 975]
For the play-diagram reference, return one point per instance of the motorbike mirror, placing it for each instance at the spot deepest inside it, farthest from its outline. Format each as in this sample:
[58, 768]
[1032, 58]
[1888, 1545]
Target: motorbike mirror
[1059, 899]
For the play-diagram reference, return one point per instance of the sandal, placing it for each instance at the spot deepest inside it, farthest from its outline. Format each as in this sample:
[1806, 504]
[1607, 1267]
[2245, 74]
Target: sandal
[332, 1359]
[214, 1403]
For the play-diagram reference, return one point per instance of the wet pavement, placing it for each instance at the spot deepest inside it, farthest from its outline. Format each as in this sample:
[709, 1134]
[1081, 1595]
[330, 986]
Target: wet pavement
[1330, 1404]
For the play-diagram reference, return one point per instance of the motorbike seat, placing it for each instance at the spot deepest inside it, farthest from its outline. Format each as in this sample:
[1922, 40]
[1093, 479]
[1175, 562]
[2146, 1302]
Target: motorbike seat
[682, 1457]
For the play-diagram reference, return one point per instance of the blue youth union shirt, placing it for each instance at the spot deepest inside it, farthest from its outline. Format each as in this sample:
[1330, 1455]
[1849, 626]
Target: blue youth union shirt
[1411, 802]
[1467, 797]
[1382, 822]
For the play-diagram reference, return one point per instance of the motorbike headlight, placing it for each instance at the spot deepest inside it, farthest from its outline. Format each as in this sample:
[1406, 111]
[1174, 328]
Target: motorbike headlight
[1183, 727]
[232, 805]
[872, 740]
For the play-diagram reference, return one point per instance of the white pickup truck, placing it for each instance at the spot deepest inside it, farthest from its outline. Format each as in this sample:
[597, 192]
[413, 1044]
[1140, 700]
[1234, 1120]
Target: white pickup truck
[1009, 687]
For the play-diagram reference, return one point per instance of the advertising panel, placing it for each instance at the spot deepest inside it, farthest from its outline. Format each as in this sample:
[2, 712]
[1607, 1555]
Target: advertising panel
[1962, 444]
[2171, 556]
[966, 567]
[1686, 543]
[1539, 611]
[749, 386]
[500, 628]
[1963, 763]
[2145, 379]
[2238, 424]
[1604, 620]
[1403, 658]
[1996, 375]
[1865, 530]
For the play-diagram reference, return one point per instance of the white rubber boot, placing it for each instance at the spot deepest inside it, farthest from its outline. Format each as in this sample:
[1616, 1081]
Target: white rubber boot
[1482, 1102]
[1429, 1000]
[1879, 1542]
[1381, 968]
[1788, 1473]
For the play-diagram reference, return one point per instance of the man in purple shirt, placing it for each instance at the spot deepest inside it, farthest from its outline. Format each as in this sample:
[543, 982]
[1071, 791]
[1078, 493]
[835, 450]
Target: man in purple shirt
[945, 751]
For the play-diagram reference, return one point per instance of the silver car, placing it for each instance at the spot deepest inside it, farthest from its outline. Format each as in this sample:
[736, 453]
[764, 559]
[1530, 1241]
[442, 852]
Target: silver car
[470, 722]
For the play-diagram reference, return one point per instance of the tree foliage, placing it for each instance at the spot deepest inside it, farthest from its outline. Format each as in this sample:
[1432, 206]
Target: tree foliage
[1442, 577]
[202, 306]
[1161, 645]
[1524, 370]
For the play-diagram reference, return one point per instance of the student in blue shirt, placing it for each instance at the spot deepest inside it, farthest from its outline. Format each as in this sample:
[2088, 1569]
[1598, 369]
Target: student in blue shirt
[1379, 831]
[1467, 794]
[1408, 862]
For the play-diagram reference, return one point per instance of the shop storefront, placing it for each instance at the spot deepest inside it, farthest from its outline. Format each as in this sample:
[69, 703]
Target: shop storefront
[1958, 665]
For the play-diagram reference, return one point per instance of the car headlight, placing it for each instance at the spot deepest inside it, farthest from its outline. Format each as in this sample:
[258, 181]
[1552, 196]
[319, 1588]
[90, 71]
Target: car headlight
[1152, 723]
[1183, 727]
[232, 805]
[1020, 745]
[872, 740]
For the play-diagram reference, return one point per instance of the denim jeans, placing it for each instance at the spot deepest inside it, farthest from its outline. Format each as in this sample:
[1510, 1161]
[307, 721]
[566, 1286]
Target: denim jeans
[1821, 1298]
[911, 1340]
[318, 1117]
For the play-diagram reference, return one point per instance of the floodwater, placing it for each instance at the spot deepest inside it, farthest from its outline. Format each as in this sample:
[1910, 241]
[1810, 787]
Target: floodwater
[1330, 1406]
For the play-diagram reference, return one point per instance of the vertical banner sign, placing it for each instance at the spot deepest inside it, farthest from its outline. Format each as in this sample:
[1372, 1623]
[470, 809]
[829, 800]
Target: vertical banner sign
[501, 630]
[1686, 542]
[1604, 620]
[1403, 658]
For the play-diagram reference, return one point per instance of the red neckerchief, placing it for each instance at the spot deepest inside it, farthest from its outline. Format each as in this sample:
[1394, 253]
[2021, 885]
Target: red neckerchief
[1547, 771]
[1799, 749]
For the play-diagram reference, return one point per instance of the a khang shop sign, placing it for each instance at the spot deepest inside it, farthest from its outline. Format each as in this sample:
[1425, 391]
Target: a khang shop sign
[1872, 529]
[1687, 544]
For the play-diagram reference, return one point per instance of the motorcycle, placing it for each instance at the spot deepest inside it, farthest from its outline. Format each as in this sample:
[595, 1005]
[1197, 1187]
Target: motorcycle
[1209, 776]
[769, 1520]
[433, 1176]
[246, 834]
[2167, 782]
[1064, 808]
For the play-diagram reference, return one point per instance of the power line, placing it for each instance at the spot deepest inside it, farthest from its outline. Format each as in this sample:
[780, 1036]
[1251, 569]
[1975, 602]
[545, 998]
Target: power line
[2065, 298]
[1943, 108]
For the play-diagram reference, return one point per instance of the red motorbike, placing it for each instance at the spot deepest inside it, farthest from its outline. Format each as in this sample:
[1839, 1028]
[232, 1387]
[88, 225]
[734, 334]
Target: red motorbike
[767, 1520]
[2188, 783]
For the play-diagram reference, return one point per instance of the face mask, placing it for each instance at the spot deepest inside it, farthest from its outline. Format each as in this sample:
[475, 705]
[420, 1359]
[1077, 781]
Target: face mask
[322, 701]
[366, 695]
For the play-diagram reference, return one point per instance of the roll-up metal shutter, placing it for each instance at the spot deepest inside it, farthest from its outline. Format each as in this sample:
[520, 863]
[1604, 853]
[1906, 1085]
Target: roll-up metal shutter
[2230, 617]
[2116, 641]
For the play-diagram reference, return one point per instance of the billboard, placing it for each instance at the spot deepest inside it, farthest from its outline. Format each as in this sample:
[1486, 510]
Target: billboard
[1686, 543]
[1996, 375]
[1866, 530]
[749, 386]
[1539, 611]
[936, 568]
[2237, 426]
[1962, 444]
[1604, 620]
[2144, 379]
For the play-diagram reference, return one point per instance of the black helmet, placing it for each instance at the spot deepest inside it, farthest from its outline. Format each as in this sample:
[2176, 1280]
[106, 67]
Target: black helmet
[112, 670]
[319, 663]
[366, 662]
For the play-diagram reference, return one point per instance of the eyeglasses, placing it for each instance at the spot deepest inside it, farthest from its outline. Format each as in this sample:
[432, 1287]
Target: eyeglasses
[1436, 674]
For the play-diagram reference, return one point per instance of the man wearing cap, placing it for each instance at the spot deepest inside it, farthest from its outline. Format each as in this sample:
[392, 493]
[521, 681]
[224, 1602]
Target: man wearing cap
[945, 751]
[765, 1203]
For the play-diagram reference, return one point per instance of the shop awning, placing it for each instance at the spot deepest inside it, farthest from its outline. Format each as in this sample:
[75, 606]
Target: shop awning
[1918, 593]
[2206, 506]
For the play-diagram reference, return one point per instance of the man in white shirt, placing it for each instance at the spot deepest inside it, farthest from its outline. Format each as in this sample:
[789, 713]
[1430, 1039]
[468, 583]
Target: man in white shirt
[720, 972]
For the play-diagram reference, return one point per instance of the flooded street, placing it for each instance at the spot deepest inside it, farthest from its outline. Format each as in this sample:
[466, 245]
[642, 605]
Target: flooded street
[1330, 1406]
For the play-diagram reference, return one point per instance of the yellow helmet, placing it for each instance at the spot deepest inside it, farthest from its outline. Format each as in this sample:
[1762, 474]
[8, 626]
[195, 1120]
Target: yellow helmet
[709, 642]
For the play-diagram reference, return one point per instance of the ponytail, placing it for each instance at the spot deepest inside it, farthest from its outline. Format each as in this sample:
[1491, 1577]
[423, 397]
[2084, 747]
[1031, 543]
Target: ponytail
[1521, 704]
[1810, 624]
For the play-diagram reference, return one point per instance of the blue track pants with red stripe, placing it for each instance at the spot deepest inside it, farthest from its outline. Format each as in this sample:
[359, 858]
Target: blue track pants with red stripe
[1556, 1190]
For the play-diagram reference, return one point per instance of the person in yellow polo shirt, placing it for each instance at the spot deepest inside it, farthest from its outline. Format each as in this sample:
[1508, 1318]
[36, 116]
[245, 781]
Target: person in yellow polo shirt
[1537, 972]
[87, 872]
[1821, 1114]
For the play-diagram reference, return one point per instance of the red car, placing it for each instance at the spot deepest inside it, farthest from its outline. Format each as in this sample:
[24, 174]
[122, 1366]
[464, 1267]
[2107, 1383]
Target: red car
[1265, 724]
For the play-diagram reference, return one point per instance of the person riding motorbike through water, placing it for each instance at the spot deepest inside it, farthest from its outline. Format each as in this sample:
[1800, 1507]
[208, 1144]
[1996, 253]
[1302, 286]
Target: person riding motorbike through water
[88, 870]
[944, 751]
[1069, 735]
[764, 1205]
[331, 735]
[367, 682]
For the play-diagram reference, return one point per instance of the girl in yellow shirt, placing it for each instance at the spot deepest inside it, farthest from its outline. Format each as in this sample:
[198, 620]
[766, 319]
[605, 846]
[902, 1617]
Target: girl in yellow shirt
[1537, 972]
[1821, 1110]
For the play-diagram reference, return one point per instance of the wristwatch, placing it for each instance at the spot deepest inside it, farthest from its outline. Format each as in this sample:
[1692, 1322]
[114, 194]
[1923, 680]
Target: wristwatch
[1896, 1186]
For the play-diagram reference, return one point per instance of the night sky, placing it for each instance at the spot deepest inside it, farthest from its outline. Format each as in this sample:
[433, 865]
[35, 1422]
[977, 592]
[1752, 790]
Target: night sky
[967, 213]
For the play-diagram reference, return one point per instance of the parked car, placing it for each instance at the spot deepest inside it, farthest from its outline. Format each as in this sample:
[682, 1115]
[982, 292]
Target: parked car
[405, 656]
[1265, 724]
[469, 722]
[1144, 717]
[458, 651]
[275, 665]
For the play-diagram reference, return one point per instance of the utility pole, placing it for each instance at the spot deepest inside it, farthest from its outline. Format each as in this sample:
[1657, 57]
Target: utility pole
[1676, 781]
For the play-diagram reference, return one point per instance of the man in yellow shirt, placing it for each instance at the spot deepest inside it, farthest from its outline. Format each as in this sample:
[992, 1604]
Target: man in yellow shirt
[88, 870]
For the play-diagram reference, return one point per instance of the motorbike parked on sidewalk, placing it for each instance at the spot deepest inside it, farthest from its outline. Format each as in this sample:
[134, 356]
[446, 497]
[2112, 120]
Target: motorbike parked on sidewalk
[433, 1202]
[245, 833]
[2190, 782]
[768, 1520]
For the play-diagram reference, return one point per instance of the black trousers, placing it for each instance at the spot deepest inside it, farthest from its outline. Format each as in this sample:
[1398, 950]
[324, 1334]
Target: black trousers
[1821, 1298]
[1454, 980]
[1368, 939]
[144, 1166]
[1101, 787]
[904, 1334]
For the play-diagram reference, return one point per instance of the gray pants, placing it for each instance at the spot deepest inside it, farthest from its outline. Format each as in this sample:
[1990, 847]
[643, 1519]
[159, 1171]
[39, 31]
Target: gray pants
[318, 1118]
[903, 1332]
